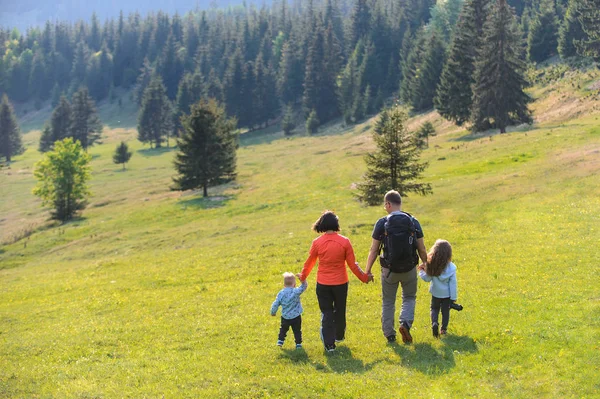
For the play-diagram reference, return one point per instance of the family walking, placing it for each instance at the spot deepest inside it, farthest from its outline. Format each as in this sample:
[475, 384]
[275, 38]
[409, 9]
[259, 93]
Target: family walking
[398, 242]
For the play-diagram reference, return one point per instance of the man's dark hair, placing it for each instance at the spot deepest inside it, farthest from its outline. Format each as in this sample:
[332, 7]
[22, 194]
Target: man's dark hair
[393, 197]
[327, 221]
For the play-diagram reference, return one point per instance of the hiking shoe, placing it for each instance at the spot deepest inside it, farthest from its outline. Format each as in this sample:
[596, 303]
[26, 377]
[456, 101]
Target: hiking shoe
[298, 346]
[279, 343]
[337, 341]
[405, 331]
[435, 330]
[330, 349]
[443, 332]
[391, 339]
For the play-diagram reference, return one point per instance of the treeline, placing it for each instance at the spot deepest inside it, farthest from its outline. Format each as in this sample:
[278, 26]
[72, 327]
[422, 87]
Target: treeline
[332, 57]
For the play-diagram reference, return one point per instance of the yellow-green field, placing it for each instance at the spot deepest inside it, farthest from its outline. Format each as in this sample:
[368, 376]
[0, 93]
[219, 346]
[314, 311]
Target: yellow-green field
[154, 294]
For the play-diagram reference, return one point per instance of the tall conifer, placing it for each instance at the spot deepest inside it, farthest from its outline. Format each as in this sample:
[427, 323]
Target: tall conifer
[454, 94]
[499, 98]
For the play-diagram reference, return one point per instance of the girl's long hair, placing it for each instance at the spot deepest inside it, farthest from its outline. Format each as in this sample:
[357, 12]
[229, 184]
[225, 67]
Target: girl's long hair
[438, 258]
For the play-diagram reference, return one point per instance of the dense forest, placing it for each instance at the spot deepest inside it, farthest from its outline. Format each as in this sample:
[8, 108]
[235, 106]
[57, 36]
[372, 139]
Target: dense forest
[331, 58]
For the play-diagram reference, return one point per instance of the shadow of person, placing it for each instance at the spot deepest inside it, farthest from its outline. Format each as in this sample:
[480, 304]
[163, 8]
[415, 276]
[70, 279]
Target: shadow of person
[460, 343]
[425, 358]
[295, 356]
[341, 361]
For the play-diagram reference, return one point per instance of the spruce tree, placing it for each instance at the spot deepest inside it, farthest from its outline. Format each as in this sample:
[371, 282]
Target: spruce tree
[499, 98]
[360, 21]
[570, 32]
[289, 80]
[312, 122]
[454, 93]
[207, 148]
[395, 164]
[86, 126]
[410, 69]
[191, 90]
[589, 17]
[288, 123]
[146, 74]
[122, 154]
[542, 40]
[320, 89]
[60, 125]
[426, 80]
[425, 131]
[156, 116]
[10, 134]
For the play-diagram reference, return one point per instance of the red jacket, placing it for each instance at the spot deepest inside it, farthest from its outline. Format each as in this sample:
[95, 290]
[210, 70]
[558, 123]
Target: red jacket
[332, 250]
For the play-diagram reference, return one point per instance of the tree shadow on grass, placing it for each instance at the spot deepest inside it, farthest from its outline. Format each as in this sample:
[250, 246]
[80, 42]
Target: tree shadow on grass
[341, 361]
[428, 360]
[155, 152]
[205, 202]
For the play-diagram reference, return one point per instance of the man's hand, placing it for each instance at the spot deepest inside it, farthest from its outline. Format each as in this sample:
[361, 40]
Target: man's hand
[421, 266]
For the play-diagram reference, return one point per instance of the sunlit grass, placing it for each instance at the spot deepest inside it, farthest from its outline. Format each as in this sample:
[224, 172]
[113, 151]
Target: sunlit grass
[152, 293]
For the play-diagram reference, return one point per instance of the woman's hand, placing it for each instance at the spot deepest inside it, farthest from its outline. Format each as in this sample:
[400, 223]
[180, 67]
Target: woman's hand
[422, 266]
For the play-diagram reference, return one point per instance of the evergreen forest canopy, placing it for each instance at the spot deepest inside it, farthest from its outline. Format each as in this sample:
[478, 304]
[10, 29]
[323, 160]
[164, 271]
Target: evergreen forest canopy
[331, 58]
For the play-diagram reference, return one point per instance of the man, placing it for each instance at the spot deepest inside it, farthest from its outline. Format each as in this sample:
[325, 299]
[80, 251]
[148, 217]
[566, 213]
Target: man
[389, 279]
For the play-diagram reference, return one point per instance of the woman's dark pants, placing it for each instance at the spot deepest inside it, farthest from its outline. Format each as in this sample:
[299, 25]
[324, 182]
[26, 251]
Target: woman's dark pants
[332, 302]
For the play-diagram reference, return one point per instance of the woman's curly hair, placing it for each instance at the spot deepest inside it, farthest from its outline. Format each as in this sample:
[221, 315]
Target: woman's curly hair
[438, 258]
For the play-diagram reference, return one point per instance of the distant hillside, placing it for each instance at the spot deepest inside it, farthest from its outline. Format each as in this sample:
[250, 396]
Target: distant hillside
[26, 13]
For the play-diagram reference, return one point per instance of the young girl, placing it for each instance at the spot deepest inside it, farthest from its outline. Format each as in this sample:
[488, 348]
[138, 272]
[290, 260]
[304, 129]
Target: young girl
[441, 272]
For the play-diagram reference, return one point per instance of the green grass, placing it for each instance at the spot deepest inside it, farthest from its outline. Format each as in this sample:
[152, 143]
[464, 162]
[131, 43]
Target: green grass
[154, 294]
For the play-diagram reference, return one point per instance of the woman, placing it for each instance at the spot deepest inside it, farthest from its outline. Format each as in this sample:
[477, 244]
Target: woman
[333, 251]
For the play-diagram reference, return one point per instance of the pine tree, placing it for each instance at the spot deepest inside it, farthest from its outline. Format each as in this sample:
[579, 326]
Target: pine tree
[266, 103]
[428, 74]
[570, 32]
[288, 123]
[99, 75]
[425, 131]
[289, 80]
[86, 126]
[395, 164]
[233, 82]
[499, 98]
[542, 40]
[80, 65]
[360, 21]
[191, 90]
[10, 134]
[312, 122]
[146, 74]
[170, 67]
[207, 148]
[410, 69]
[320, 90]
[62, 177]
[156, 116]
[589, 17]
[122, 154]
[454, 94]
[59, 126]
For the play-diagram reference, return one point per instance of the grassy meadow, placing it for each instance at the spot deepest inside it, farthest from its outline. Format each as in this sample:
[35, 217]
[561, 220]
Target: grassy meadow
[154, 294]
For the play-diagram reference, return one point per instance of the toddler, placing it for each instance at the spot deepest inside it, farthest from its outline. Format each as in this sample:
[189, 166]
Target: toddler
[441, 273]
[291, 308]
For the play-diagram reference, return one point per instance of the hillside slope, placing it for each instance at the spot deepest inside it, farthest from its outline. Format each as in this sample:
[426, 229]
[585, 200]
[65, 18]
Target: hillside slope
[152, 293]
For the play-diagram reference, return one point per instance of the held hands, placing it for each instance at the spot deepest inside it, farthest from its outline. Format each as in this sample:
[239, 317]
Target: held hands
[421, 267]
